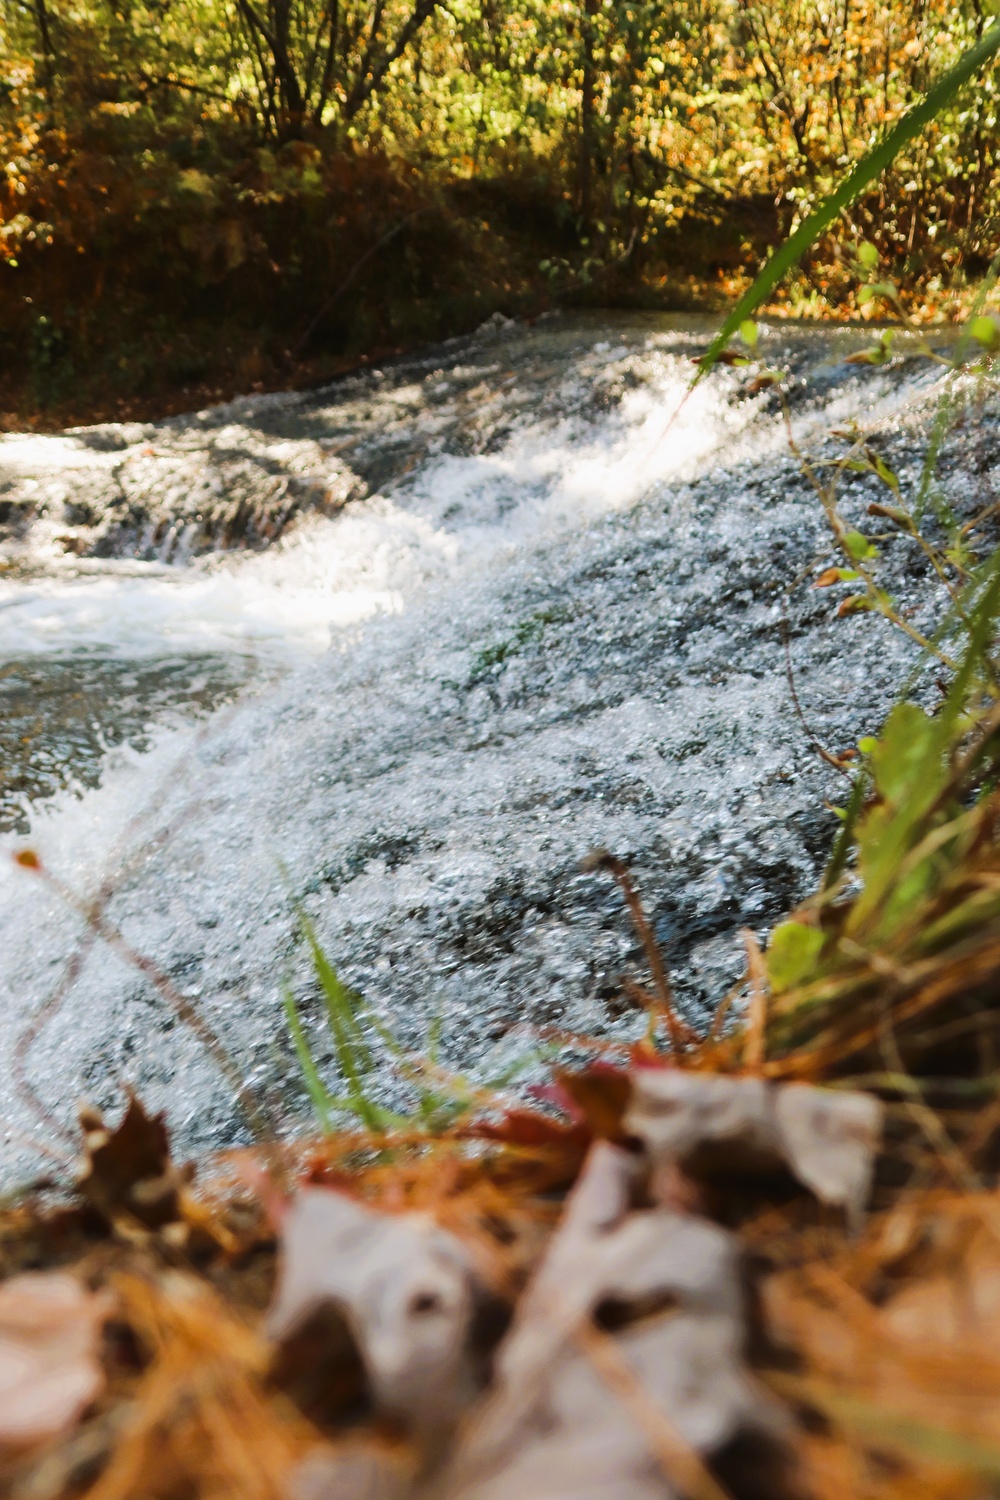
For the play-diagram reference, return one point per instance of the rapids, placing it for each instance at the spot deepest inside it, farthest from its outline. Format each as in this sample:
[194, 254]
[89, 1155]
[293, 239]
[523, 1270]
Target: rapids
[403, 650]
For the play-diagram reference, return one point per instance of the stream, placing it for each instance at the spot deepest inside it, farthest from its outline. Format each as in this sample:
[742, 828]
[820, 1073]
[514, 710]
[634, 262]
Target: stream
[399, 652]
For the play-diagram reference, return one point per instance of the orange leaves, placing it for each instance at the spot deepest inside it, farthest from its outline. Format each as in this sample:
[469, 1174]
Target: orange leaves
[830, 576]
[202, 1421]
[895, 1342]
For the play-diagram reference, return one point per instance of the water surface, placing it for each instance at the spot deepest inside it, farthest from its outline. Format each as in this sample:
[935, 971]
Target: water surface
[403, 650]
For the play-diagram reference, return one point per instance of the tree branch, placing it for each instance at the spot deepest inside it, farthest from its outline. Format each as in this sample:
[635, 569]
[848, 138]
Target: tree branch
[365, 87]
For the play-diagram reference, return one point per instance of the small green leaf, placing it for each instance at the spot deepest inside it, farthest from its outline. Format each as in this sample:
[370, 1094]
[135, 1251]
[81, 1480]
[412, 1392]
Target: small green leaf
[859, 546]
[854, 605]
[887, 475]
[894, 513]
[877, 356]
[792, 954]
[884, 289]
[905, 758]
[868, 255]
[193, 181]
[985, 332]
[748, 333]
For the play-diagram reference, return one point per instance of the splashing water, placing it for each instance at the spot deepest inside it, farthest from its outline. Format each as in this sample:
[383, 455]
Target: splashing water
[508, 611]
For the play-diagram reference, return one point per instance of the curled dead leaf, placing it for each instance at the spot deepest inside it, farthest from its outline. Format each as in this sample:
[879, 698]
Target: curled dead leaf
[128, 1175]
[50, 1329]
[709, 1123]
[623, 1370]
[407, 1289]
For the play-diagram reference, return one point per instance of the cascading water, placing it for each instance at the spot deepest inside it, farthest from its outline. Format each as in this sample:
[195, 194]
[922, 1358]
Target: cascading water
[402, 650]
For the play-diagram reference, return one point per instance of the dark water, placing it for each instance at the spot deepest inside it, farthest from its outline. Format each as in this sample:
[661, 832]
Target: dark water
[60, 717]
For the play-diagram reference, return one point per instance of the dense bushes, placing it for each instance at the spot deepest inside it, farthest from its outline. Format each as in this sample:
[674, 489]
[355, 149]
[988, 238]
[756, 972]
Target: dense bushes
[202, 194]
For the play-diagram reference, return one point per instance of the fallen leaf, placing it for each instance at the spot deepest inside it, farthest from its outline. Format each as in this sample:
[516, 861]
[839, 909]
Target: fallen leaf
[50, 1329]
[709, 1123]
[724, 357]
[663, 1290]
[828, 577]
[407, 1290]
[600, 1096]
[128, 1172]
[359, 1471]
[527, 1127]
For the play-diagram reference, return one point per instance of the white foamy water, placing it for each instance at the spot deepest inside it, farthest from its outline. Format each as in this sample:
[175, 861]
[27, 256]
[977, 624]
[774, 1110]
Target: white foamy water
[553, 623]
[453, 517]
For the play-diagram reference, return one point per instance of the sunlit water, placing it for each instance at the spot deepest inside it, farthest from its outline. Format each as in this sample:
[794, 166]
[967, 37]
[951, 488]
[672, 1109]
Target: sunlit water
[550, 620]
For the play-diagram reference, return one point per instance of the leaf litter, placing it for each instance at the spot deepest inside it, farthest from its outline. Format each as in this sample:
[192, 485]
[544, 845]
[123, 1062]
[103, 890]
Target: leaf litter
[759, 1262]
[50, 1371]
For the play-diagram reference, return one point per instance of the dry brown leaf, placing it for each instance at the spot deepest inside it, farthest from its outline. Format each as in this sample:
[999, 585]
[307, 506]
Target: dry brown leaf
[667, 1286]
[50, 1328]
[709, 1122]
[407, 1290]
[127, 1172]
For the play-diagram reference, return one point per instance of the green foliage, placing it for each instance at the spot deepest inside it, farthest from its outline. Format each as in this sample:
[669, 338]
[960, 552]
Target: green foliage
[868, 169]
[913, 884]
[525, 632]
[234, 161]
[439, 1096]
[792, 954]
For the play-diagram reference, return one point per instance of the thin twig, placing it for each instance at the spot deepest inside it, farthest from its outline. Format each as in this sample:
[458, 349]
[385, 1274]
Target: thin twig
[23, 1086]
[814, 743]
[756, 1032]
[680, 1035]
[182, 1007]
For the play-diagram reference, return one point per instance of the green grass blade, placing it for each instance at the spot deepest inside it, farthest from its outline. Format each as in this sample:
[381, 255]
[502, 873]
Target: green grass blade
[845, 838]
[871, 166]
[321, 1101]
[353, 1056]
[981, 628]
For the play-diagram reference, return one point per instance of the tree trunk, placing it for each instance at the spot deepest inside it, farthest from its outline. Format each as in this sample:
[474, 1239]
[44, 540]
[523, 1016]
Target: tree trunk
[586, 166]
[48, 54]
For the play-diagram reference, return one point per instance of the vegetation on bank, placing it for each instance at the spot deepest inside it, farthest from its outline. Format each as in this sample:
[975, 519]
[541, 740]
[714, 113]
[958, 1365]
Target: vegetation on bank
[203, 196]
[497, 1297]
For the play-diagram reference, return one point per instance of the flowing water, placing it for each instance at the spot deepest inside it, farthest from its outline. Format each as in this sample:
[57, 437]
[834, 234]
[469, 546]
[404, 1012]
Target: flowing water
[402, 650]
